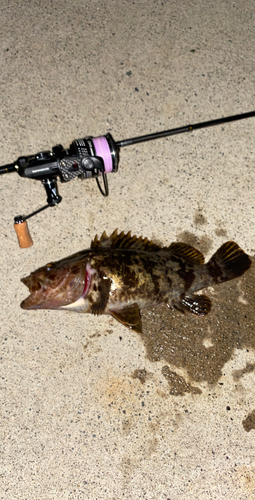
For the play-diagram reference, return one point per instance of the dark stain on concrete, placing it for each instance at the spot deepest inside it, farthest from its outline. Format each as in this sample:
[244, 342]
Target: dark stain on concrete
[249, 368]
[249, 422]
[203, 243]
[202, 345]
[141, 374]
[220, 232]
[199, 218]
[178, 386]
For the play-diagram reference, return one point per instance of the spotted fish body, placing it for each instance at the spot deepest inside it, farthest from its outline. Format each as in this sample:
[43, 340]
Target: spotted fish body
[120, 275]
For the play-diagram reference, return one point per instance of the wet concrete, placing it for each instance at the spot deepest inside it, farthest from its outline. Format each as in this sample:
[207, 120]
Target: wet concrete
[202, 345]
[202, 243]
[249, 422]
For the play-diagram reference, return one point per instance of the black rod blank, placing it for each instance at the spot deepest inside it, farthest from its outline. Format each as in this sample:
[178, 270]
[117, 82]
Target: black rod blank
[6, 169]
[180, 130]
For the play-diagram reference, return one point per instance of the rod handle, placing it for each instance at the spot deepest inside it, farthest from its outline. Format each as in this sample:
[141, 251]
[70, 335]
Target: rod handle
[23, 234]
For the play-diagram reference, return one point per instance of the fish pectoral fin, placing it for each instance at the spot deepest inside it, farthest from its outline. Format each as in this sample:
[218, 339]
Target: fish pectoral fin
[196, 304]
[129, 316]
[100, 304]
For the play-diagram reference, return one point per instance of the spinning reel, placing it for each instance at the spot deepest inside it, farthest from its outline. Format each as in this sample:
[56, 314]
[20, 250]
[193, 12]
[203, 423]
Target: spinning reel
[92, 157]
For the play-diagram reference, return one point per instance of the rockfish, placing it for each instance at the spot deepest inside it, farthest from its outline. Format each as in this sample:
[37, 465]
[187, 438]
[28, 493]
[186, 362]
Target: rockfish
[121, 274]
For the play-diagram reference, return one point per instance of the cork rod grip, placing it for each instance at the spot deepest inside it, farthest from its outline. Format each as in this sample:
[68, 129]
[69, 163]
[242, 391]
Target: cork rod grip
[23, 234]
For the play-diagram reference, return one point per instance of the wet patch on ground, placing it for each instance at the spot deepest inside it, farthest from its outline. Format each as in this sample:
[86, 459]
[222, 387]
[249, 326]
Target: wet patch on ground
[178, 385]
[203, 243]
[249, 422]
[202, 345]
[199, 218]
[219, 231]
[249, 368]
[141, 374]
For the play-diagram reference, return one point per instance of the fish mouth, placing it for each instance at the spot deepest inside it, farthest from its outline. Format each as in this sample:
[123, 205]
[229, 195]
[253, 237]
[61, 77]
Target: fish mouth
[56, 289]
[51, 295]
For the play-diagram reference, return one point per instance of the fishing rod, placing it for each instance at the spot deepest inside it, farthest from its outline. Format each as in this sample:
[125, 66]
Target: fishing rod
[88, 158]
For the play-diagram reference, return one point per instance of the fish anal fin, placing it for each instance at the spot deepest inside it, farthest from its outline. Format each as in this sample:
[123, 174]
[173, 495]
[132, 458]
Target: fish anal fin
[129, 316]
[186, 252]
[200, 305]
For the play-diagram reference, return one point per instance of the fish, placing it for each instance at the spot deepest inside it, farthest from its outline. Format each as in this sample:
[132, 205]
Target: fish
[121, 274]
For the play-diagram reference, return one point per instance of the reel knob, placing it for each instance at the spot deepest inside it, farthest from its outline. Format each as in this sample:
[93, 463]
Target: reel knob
[22, 231]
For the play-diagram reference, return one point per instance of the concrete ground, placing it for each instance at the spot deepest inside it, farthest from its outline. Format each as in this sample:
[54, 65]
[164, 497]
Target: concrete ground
[90, 409]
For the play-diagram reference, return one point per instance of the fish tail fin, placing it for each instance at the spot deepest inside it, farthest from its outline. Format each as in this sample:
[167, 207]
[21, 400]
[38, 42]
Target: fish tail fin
[229, 262]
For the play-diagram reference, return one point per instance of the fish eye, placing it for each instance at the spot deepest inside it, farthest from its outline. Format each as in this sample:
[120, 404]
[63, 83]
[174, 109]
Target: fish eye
[48, 267]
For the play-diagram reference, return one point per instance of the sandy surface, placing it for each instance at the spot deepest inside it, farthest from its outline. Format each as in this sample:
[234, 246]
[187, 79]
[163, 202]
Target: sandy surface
[89, 409]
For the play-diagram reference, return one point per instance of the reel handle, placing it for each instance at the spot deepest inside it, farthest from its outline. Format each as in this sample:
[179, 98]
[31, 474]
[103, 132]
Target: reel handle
[20, 221]
[23, 234]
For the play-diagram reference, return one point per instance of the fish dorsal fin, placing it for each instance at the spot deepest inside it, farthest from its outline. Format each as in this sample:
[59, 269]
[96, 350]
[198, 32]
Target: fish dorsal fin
[129, 316]
[186, 252]
[125, 241]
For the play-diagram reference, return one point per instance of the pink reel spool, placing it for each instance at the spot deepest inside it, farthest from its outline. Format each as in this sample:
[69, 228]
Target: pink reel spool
[102, 149]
